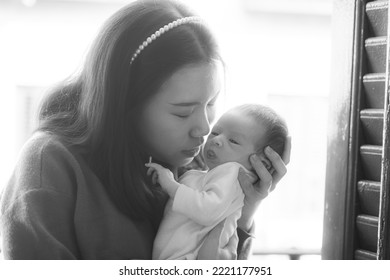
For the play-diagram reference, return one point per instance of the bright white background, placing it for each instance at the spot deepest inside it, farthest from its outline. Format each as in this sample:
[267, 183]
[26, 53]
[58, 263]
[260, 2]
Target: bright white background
[276, 52]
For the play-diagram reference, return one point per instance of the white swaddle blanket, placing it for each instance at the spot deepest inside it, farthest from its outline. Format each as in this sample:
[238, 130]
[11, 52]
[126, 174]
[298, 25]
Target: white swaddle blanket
[203, 200]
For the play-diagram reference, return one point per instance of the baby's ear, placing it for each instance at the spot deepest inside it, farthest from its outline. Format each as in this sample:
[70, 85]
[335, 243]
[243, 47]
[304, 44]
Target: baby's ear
[267, 163]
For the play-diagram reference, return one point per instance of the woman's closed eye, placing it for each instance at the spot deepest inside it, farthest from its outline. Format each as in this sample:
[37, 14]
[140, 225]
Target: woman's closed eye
[211, 104]
[183, 114]
[213, 101]
[214, 133]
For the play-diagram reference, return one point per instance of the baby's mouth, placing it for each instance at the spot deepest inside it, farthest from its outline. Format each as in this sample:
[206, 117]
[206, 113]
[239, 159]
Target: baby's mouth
[210, 154]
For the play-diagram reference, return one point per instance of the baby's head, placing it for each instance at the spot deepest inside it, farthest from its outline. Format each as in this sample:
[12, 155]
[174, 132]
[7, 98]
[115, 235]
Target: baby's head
[243, 131]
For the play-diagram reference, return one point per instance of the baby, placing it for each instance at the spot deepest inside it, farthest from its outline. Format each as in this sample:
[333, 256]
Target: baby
[200, 200]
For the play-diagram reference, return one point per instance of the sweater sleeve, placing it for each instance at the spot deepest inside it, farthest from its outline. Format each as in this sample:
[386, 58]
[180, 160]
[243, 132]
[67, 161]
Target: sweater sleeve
[37, 206]
[208, 205]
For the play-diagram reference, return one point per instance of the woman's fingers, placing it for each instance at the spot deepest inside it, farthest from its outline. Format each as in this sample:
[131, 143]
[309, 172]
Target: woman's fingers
[275, 159]
[277, 164]
[261, 170]
[246, 182]
[287, 150]
[255, 191]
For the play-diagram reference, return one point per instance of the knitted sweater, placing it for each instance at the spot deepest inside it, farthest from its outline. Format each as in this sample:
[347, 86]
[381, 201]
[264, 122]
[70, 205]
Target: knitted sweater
[54, 207]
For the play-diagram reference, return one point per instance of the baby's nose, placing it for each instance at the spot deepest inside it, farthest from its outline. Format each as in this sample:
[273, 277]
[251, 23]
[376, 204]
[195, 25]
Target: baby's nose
[218, 142]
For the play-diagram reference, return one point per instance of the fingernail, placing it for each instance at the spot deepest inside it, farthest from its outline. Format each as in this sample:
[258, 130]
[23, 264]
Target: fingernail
[254, 158]
[268, 149]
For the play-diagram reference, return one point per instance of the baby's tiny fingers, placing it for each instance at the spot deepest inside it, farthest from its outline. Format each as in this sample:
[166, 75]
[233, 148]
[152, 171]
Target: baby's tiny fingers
[152, 164]
[150, 171]
[154, 178]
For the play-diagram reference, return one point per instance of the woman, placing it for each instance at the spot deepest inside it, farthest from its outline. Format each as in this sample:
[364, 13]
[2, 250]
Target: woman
[148, 88]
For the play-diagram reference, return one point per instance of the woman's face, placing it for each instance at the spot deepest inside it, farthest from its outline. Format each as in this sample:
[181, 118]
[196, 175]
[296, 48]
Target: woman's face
[177, 119]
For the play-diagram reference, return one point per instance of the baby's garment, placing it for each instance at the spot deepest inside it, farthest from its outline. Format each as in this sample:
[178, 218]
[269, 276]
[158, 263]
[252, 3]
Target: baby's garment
[202, 201]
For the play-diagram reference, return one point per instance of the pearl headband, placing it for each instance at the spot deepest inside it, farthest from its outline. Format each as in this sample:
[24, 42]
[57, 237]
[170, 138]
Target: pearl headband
[161, 31]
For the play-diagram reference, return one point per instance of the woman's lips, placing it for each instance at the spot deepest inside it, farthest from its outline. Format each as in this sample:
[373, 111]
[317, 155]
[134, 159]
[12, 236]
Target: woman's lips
[191, 152]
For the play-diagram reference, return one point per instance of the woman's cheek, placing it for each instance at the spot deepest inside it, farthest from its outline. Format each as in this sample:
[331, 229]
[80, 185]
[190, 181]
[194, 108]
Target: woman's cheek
[211, 114]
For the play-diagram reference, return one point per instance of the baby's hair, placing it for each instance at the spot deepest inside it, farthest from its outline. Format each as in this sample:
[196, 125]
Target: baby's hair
[276, 127]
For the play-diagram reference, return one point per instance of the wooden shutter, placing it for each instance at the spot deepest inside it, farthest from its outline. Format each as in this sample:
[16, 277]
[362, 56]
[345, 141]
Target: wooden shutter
[356, 216]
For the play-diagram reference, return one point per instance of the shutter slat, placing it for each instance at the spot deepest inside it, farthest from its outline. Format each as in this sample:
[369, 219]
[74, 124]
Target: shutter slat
[368, 194]
[367, 231]
[364, 255]
[377, 17]
[372, 124]
[376, 54]
[371, 162]
[374, 87]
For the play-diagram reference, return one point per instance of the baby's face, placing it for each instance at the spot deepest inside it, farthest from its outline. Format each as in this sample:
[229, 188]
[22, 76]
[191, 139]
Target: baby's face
[233, 138]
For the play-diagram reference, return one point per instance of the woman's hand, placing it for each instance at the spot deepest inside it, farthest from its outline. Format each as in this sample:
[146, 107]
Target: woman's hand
[256, 191]
[211, 249]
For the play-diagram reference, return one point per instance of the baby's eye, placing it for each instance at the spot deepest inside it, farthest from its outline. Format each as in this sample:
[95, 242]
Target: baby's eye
[234, 141]
[214, 133]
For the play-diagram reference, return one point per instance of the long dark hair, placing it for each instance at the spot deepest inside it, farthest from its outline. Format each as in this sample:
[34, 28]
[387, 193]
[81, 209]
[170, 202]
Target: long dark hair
[97, 111]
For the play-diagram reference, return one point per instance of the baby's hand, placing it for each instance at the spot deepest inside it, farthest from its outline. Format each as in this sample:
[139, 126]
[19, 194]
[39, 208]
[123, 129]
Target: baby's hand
[163, 176]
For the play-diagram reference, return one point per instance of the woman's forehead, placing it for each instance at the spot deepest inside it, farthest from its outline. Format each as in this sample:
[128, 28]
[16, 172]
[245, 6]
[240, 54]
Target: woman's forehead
[195, 83]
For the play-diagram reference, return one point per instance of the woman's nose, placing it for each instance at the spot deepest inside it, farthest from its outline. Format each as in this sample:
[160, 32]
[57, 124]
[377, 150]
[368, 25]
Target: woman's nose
[201, 127]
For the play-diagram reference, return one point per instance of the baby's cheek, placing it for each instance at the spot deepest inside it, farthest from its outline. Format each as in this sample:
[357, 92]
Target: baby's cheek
[248, 165]
[245, 162]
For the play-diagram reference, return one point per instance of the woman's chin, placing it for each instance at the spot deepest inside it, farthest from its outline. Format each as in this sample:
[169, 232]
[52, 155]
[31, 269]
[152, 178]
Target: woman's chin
[184, 162]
